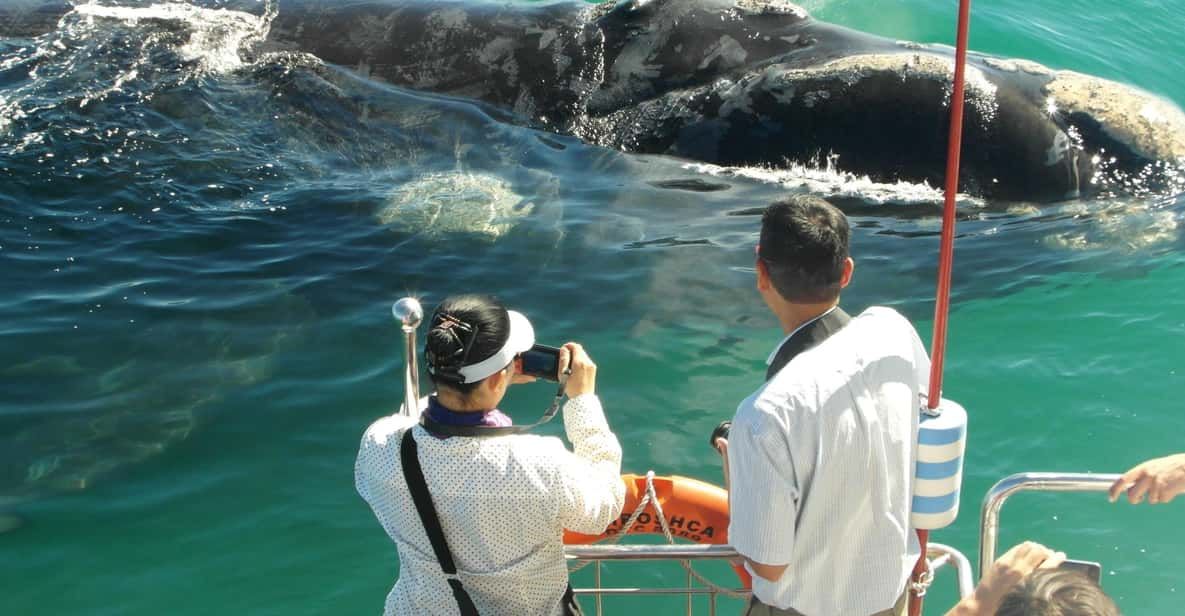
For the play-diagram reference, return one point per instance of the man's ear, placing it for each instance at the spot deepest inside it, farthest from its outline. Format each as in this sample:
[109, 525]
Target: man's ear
[763, 282]
[848, 267]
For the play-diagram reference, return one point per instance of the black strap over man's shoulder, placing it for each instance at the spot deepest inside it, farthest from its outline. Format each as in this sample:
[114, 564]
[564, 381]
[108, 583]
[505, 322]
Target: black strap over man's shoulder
[807, 338]
[414, 475]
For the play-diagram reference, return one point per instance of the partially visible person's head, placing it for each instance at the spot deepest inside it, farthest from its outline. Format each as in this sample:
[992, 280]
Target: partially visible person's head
[472, 337]
[1057, 592]
[804, 247]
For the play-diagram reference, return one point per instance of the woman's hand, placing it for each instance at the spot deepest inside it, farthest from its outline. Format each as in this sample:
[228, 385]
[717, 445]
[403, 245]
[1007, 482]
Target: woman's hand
[581, 371]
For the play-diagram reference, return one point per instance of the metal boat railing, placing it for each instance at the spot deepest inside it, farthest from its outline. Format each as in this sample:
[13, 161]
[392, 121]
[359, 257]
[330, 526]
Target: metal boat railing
[989, 518]
[940, 556]
[599, 554]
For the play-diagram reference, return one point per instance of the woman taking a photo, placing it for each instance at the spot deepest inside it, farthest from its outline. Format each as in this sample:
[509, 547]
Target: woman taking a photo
[497, 502]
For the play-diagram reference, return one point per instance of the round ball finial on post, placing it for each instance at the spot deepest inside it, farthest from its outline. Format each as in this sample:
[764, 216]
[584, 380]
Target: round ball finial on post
[410, 314]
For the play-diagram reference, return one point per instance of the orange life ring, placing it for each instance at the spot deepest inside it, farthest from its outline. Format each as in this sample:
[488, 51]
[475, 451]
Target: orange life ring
[695, 510]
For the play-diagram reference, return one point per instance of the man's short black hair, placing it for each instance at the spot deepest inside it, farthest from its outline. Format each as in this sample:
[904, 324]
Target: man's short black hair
[804, 243]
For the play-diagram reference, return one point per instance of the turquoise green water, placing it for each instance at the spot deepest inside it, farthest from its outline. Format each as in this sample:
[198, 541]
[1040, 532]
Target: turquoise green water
[196, 334]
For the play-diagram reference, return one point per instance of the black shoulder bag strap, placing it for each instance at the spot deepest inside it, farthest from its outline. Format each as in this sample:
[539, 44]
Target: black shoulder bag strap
[414, 476]
[810, 336]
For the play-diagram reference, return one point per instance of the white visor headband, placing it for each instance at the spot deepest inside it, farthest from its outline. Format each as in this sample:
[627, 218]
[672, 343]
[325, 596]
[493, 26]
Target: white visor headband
[520, 340]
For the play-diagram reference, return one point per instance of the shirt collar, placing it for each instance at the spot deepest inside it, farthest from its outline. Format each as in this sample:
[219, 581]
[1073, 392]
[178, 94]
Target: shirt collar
[769, 360]
[441, 414]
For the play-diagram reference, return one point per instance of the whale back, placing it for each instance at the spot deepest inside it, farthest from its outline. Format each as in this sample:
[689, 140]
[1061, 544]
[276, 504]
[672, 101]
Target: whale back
[656, 46]
[534, 60]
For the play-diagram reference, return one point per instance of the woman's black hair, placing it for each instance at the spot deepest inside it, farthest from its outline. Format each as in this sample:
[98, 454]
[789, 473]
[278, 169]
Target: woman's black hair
[464, 330]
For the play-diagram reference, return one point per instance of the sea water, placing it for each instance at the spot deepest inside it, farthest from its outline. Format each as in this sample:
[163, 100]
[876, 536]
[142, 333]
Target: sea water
[200, 251]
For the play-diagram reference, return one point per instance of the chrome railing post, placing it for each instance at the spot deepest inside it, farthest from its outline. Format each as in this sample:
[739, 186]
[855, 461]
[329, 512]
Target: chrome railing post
[989, 519]
[409, 314]
[600, 598]
[942, 554]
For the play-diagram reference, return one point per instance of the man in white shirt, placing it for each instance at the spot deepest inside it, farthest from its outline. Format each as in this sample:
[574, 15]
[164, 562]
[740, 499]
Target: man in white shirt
[819, 459]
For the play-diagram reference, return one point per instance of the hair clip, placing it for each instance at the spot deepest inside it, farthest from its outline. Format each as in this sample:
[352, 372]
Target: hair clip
[452, 325]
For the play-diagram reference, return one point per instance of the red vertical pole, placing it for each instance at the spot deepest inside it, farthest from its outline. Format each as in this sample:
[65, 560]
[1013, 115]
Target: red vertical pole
[946, 253]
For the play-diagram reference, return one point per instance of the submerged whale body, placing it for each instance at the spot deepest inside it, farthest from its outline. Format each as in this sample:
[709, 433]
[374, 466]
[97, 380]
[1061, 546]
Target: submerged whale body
[747, 82]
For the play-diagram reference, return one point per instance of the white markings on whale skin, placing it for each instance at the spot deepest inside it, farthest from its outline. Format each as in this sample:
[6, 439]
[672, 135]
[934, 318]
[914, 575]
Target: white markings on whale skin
[1058, 149]
[734, 96]
[432, 62]
[728, 51]
[499, 54]
[850, 70]
[1032, 68]
[772, 7]
[446, 21]
[636, 62]
[1001, 64]
[1008, 65]
[547, 37]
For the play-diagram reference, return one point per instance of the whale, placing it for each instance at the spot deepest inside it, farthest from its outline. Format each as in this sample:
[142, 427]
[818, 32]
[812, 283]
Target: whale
[91, 418]
[740, 83]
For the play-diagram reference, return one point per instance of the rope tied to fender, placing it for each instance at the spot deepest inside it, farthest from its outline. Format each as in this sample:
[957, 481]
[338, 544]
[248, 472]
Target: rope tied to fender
[651, 498]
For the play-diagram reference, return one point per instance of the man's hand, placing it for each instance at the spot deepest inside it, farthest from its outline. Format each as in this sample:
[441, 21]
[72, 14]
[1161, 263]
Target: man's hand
[771, 573]
[719, 432]
[721, 445]
[1006, 572]
[1160, 479]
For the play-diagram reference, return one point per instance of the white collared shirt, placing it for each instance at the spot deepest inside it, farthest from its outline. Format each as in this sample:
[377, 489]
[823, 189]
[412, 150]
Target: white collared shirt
[821, 463]
[503, 504]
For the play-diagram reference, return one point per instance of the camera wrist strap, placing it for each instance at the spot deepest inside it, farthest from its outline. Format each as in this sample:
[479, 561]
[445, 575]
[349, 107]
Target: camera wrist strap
[414, 475]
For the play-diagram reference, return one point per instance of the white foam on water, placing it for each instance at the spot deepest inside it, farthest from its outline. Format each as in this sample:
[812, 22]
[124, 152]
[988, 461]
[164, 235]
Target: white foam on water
[217, 35]
[825, 179]
[10, 107]
[215, 39]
